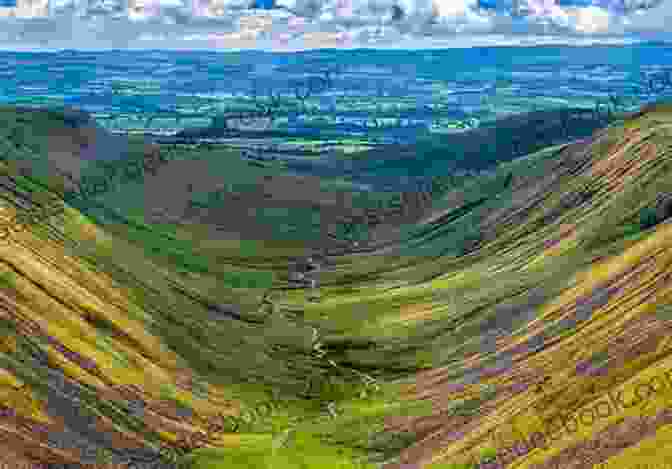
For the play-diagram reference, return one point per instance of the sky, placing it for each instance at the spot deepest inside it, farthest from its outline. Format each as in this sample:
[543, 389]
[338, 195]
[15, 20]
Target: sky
[310, 24]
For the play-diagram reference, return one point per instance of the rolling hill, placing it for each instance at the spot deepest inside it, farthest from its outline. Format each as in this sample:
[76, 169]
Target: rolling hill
[515, 300]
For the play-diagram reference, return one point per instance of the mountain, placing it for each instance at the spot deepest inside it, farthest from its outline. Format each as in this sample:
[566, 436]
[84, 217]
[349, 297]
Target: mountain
[535, 293]
[530, 303]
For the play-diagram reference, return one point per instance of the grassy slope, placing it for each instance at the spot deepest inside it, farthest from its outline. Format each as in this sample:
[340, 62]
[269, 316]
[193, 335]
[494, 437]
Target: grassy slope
[146, 319]
[562, 273]
[520, 260]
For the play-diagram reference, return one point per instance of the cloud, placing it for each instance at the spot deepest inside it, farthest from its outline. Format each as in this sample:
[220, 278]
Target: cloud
[590, 19]
[298, 24]
[656, 18]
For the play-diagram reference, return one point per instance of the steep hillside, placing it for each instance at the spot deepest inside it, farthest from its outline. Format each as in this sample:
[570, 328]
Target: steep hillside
[527, 303]
[519, 300]
[131, 344]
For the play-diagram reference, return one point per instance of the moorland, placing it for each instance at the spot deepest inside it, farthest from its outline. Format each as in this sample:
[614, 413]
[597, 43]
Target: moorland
[204, 312]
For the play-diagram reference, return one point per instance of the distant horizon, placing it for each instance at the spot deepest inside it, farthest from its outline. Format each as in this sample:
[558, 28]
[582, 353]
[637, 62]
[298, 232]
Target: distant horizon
[481, 41]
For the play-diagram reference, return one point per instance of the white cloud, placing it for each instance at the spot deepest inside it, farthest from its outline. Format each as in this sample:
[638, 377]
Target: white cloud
[590, 19]
[656, 18]
[322, 23]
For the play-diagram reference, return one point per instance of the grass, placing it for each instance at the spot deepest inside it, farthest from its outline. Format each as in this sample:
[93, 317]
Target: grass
[141, 301]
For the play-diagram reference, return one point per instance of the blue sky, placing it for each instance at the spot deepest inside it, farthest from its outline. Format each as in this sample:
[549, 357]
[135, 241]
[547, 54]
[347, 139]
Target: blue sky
[307, 24]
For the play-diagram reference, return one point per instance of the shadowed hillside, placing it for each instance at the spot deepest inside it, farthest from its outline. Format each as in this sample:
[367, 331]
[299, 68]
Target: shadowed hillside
[475, 149]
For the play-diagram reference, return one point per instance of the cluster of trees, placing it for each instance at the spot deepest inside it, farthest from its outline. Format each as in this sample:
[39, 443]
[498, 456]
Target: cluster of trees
[651, 216]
